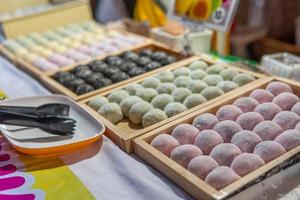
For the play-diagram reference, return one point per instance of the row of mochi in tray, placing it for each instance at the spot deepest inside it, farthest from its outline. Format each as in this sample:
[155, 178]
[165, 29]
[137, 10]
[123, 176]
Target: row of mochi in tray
[169, 93]
[100, 73]
[68, 45]
[239, 138]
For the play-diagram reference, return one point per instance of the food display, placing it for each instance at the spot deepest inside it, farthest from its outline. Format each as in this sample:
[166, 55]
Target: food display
[113, 69]
[68, 45]
[167, 93]
[225, 143]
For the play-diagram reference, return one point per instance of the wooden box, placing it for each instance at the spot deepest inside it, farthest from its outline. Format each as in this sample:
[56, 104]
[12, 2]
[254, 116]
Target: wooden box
[57, 87]
[124, 132]
[185, 179]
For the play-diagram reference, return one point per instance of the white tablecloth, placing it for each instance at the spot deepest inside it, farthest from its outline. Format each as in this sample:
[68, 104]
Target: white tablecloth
[104, 169]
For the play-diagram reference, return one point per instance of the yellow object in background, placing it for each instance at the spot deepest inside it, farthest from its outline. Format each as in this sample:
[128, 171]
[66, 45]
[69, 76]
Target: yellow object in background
[148, 10]
[2, 95]
[183, 6]
[200, 9]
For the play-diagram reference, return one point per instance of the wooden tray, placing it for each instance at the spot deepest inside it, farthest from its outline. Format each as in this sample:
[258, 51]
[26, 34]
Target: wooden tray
[123, 132]
[185, 179]
[37, 73]
[57, 87]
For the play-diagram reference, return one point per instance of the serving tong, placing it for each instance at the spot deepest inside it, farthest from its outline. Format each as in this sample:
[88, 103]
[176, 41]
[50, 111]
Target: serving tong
[52, 118]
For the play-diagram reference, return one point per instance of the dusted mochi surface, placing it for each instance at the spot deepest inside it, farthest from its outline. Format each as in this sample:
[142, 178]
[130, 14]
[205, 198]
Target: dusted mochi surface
[249, 120]
[183, 154]
[127, 103]
[286, 119]
[185, 133]
[267, 130]
[225, 153]
[205, 121]
[246, 140]
[268, 110]
[269, 150]
[194, 100]
[117, 96]
[228, 112]
[289, 139]
[286, 100]
[207, 140]
[277, 87]
[138, 110]
[112, 112]
[246, 104]
[174, 108]
[153, 116]
[211, 92]
[165, 143]
[201, 166]
[227, 129]
[262, 96]
[245, 163]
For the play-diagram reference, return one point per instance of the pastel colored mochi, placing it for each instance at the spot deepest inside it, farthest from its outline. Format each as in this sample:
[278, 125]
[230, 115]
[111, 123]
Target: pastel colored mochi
[165, 143]
[97, 102]
[262, 96]
[246, 140]
[198, 74]
[166, 88]
[246, 104]
[117, 96]
[205, 121]
[227, 86]
[151, 82]
[182, 81]
[268, 110]
[213, 79]
[147, 94]
[245, 163]
[165, 76]
[182, 71]
[153, 116]
[228, 112]
[227, 129]
[185, 153]
[286, 100]
[229, 74]
[207, 140]
[194, 100]
[198, 64]
[286, 120]
[174, 108]
[196, 86]
[296, 108]
[160, 101]
[112, 112]
[289, 139]
[243, 79]
[127, 103]
[133, 88]
[221, 177]
[201, 166]
[277, 87]
[138, 110]
[179, 94]
[249, 120]
[185, 133]
[269, 150]
[215, 69]
[211, 92]
[267, 130]
[225, 153]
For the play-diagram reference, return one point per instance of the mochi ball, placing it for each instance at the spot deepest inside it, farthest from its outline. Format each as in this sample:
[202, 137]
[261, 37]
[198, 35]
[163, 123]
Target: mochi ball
[160, 101]
[228, 112]
[179, 94]
[117, 96]
[245, 163]
[211, 92]
[289, 139]
[286, 119]
[221, 176]
[165, 76]
[133, 88]
[97, 102]
[225, 153]
[174, 108]
[268, 110]
[296, 108]
[243, 79]
[246, 104]
[182, 81]
[227, 86]
[269, 150]
[215, 69]
[166, 88]
[112, 112]
[151, 82]
[153, 116]
[165, 144]
[277, 87]
[249, 120]
[182, 71]
[201, 166]
[246, 140]
[298, 126]
[286, 100]
[205, 121]
[147, 94]
[193, 100]
[262, 96]
[198, 74]
[184, 154]
[212, 80]
[138, 110]
[227, 129]
[196, 86]
[198, 64]
[207, 140]
[185, 133]
[229, 74]
[127, 103]
[267, 130]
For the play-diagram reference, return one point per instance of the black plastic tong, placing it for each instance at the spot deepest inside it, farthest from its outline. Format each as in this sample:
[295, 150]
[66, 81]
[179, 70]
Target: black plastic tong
[49, 117]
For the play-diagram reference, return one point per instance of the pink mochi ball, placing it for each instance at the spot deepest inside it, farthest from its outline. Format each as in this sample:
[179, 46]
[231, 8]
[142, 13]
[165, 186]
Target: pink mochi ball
[286, 119]
[225, 153]
[269, 150]
[268, 110]
[297, 127]
[296, 108]
[286, 100]
[246, 104]
[221, 176]
[207, 140]
[262, 96]
[205, 121]
[267, 130]
[185, 153]
[289, 139]
[185, 133]
[165, 143]
[202, 165]
[277, 87]
[228, 112]
[246, 140]
[245, 163]
[249, 120]
[227, 129]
